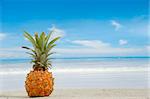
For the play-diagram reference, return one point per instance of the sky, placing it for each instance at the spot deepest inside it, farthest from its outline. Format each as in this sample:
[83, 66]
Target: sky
[88, 28]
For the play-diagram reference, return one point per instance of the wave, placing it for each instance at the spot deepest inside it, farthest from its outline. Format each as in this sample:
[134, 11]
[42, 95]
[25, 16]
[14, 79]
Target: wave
[78, 70]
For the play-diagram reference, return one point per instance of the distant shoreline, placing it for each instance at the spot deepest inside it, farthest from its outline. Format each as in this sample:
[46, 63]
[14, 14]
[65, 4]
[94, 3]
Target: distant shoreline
[23, 60]
[80, 57]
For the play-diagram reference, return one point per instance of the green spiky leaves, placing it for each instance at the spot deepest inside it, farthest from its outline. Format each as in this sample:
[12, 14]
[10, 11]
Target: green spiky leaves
[42, 48]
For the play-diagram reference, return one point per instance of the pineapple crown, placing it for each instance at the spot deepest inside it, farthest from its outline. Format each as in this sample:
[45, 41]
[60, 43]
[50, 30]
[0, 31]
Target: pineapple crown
[41, 51]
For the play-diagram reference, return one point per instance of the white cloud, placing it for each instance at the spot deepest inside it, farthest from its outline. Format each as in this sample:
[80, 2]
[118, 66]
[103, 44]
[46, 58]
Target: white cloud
[123, 42]
[148, 47]
[91, 43]
[116, 25]
[57, 32]
[109, 51]
[81, 48]
[2, 36]
[98, 48]
[16, 52]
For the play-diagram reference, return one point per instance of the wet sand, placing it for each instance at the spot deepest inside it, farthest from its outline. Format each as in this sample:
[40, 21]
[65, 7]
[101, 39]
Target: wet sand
[84, 94]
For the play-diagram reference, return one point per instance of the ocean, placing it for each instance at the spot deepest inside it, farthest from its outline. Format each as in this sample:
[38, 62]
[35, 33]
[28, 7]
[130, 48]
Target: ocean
[84, 72]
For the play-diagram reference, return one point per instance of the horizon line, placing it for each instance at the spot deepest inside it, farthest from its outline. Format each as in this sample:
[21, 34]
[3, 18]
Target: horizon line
[82, 57]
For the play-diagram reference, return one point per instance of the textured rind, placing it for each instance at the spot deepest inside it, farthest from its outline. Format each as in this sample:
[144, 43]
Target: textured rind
[39, 83]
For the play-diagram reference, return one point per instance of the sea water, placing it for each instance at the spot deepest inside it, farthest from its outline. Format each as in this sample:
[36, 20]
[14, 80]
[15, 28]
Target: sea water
[89, 72]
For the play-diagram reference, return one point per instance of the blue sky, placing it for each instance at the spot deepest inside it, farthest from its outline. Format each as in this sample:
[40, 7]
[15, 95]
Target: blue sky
[87, 27]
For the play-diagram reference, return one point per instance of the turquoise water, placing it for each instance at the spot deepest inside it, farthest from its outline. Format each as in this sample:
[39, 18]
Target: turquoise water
[95, 72]
[3, 61]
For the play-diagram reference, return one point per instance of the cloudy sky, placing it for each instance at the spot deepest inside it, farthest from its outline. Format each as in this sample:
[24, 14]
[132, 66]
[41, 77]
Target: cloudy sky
[89, 28]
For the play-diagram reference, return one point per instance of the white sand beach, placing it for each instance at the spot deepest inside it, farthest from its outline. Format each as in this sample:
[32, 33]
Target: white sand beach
[84, 94]
[94, 79]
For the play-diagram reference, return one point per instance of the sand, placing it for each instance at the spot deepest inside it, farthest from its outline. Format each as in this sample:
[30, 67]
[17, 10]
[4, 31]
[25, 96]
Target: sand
[84, 94]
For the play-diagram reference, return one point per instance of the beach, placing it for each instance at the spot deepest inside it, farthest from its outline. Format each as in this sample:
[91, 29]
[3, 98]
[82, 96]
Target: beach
[84, 94]
[98, 78]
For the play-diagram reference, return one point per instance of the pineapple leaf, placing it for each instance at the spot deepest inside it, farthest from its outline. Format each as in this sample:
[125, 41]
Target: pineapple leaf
[37, 41]
[29, 49]
[33, 55]
[41, 49]
[47, 38]
[50, 47]
[42, 40]
[33, 61]
[50, 53]
[42, 58]
[53, 41]
[30, 38]
[40, 64]
[38, 52]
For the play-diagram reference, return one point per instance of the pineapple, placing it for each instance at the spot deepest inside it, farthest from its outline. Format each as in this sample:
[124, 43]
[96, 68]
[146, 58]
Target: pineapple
[39, 82]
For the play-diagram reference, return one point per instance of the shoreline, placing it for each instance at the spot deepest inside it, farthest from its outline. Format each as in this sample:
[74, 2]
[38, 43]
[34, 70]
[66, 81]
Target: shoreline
[84, 93]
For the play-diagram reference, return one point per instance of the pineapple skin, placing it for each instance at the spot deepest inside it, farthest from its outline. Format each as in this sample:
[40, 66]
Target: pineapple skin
[39, 83]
